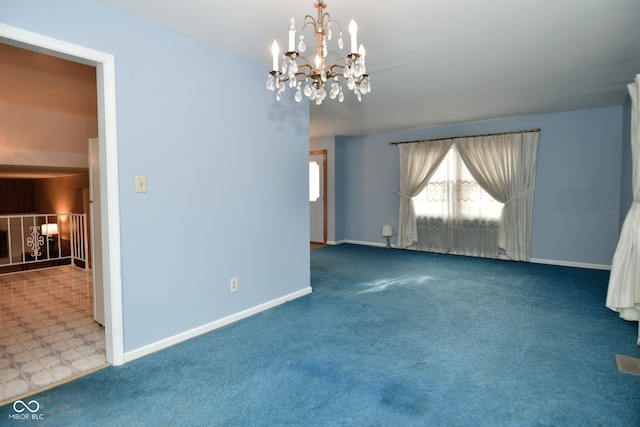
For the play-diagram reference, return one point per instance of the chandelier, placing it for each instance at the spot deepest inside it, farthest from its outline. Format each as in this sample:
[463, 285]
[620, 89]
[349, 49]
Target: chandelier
[297, 71]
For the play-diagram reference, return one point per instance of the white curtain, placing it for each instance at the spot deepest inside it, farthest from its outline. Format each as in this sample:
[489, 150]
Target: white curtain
[505, 167]
[418, 161]
[455, 215]
[623, 294]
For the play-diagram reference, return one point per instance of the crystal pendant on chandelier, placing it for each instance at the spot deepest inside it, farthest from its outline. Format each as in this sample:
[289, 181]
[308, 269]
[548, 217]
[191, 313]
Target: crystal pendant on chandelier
[309, 78]
[298, 96]
[335, 89]
[271, 82]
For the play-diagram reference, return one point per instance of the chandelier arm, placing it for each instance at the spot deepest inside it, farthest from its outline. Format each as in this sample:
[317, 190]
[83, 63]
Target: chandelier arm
[286, 77]
[332, 73]
[332, 21]
[345, 58]
[309, 74]
[306, 63]
[330, 69]
[306, 70]
[308, 20]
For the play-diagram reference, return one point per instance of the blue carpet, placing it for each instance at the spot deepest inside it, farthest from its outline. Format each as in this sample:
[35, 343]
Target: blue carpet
[387, 338]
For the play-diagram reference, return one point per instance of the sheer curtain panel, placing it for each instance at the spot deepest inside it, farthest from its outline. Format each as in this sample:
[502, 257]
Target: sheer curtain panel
[418, 161]
[454, 214]
[505, 167]
[623, 294]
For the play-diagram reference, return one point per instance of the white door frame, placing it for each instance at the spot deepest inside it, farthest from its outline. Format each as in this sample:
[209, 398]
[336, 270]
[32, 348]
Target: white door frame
[95, 230]
[107, 132]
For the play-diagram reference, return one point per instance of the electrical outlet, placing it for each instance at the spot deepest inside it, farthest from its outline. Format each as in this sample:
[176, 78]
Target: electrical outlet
[234, 284]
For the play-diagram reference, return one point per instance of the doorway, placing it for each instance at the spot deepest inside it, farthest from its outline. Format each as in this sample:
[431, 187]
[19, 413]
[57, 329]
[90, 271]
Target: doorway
[318, 197]
[110, 227]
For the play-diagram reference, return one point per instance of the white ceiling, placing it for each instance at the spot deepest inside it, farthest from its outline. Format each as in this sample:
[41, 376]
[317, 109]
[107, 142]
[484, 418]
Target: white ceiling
[431, 62]
[436, 62]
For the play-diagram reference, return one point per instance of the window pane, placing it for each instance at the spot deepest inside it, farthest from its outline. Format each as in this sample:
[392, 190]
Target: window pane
[453, 193]
[314, 181]
[433, 201]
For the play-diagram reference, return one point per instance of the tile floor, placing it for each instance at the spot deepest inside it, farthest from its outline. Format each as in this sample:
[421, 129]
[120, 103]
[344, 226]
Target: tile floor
[47, 331]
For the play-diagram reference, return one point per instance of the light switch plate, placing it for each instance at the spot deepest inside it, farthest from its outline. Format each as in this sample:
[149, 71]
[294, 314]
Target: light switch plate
[141, 184]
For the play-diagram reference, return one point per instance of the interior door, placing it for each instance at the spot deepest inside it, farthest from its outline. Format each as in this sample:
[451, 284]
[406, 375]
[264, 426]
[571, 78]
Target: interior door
[96, 235]
[317, 199]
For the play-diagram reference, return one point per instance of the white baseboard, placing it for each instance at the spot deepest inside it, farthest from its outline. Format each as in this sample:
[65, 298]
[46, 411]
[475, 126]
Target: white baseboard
[533, 260]
[359, 242]
[186, 335]
[571, 264]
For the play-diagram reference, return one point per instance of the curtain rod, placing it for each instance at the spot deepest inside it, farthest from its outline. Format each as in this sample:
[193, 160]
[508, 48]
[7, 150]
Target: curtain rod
[467, 136]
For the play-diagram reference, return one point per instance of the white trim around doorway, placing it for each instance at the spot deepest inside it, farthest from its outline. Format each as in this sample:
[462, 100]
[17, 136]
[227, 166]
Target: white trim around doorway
[107, 132]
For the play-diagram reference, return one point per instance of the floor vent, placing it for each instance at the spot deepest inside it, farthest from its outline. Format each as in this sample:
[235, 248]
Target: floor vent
[628, 365]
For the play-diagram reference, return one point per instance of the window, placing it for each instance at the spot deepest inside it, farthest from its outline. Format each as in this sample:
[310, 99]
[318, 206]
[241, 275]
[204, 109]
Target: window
[314, 181]
[453, 193]
[505, 164]
[454, 214]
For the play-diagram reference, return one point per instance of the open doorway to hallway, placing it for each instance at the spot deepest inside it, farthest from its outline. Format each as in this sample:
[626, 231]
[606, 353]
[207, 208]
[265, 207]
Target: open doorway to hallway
[47, 328]
[317, 198]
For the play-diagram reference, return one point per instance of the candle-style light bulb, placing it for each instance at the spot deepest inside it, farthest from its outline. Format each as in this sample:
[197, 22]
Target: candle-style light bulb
[353, 30]
[275, 51]
[292, 35]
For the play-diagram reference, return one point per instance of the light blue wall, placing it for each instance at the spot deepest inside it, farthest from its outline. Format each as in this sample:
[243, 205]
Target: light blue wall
[576, 210]
[226, 167]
